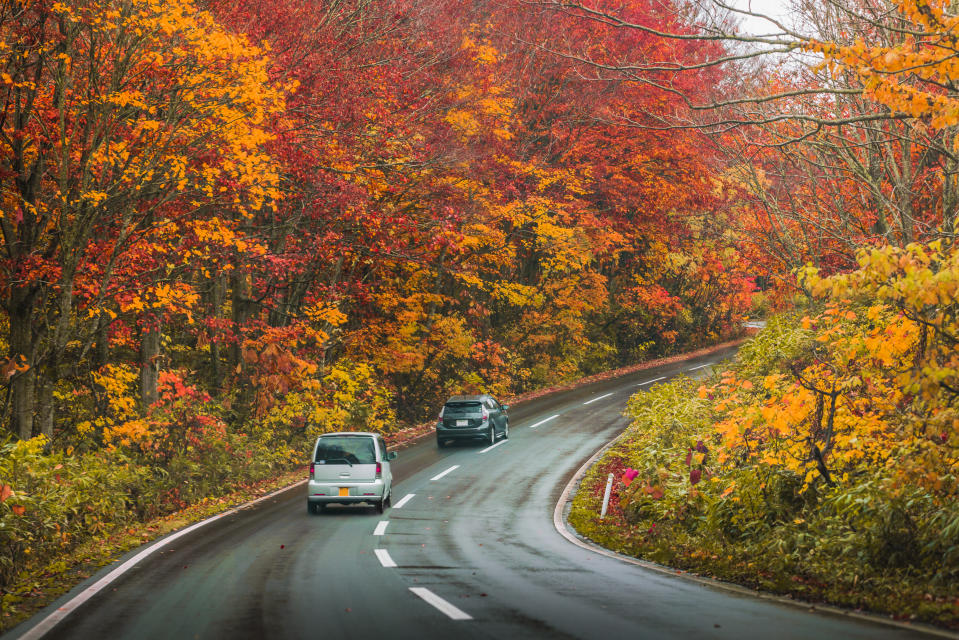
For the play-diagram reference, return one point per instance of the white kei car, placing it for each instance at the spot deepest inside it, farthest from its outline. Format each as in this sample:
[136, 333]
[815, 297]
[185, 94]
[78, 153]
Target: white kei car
[349, 468]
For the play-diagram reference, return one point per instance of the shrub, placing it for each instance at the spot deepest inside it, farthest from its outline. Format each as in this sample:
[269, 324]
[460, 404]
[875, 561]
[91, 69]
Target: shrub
[819, 463]
[53, 501]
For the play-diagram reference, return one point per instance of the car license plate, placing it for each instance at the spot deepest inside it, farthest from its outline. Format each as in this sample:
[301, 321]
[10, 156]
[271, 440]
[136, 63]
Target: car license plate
[462, 423]
[344, 491]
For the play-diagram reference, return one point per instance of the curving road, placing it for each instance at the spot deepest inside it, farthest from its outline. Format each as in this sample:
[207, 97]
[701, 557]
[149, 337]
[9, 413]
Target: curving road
[468, 550]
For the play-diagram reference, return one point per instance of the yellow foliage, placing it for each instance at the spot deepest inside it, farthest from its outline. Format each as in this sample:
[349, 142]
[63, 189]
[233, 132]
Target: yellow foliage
[128, 433]
[224, 101]
[118, 385]
[321, 312]
[877, 388]
[889, 73]
[177, 297]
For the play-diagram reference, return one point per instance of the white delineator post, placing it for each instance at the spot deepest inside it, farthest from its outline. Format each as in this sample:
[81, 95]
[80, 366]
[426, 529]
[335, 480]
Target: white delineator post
[609, 489]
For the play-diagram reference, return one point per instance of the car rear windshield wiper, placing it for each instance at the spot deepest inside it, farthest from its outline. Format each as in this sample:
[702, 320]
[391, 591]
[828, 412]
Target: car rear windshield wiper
[337, 460]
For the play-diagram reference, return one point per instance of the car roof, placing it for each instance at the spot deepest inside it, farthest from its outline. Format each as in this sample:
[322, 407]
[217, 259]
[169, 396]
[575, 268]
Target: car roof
[477, 398]
[350, 433]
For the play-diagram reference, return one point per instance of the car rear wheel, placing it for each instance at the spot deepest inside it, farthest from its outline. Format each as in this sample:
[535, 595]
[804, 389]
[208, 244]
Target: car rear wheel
[506, 431]
[492, 434]
[440, 444]
[380, 505]
[312, 508]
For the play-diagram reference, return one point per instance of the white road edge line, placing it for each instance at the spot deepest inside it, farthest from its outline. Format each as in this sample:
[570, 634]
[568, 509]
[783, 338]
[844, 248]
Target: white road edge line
[651, 381]
[48, 623]
[384, 557]
[451, 469]
[406, 498]
[455, 613]
[533, 426]
[493, 446]
[708, 364]
[381, 528]
[599, 398]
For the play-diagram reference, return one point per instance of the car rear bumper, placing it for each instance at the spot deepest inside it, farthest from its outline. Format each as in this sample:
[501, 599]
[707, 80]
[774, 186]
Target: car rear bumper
[463, 433]
[323, 492]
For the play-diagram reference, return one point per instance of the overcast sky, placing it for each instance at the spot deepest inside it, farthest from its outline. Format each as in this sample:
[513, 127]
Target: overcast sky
[776, 8]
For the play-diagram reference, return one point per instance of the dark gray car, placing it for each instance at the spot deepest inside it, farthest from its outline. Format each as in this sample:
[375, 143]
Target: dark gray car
[478, 417]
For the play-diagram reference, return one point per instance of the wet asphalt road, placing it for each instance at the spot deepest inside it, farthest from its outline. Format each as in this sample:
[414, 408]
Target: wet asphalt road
[480, 540]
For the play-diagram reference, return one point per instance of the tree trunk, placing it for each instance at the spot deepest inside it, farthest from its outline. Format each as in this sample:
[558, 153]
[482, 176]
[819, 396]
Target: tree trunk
[217, 295]
[45, 405]
[950, 186]
[242, 310]
[102, 352]
[24, 384]
[150, 360]
[53, 360]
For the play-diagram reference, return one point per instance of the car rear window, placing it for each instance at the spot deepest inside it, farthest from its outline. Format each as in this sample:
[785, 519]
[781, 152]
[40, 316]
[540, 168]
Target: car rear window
[345, 449]
[461, 408]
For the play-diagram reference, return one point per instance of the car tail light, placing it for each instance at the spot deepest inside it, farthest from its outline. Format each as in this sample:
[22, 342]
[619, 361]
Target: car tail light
[311, 470]
[379, 469]
[485, 414]
[441, 412]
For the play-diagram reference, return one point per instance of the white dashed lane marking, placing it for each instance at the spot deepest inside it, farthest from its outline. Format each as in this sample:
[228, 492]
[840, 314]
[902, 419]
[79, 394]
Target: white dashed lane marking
[533, 426]
[708, 364]
[384, 557]
[381, 528]
[599, 398]
[454, 613]
[406, 498]
[451, 469]
[651, 381]
[493, 446]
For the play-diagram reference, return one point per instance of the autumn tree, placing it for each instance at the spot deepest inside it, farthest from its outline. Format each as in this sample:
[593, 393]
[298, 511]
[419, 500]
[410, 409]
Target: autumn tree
[819, 119]
[118, 119]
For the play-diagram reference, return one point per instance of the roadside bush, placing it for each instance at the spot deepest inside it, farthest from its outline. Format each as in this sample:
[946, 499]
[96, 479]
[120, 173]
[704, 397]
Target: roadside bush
[870, 542]
[53, 501]
[766, 498]
[822, 462]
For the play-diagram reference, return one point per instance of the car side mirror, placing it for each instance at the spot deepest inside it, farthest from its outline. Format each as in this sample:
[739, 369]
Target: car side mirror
[391, 455]
[504, 407]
